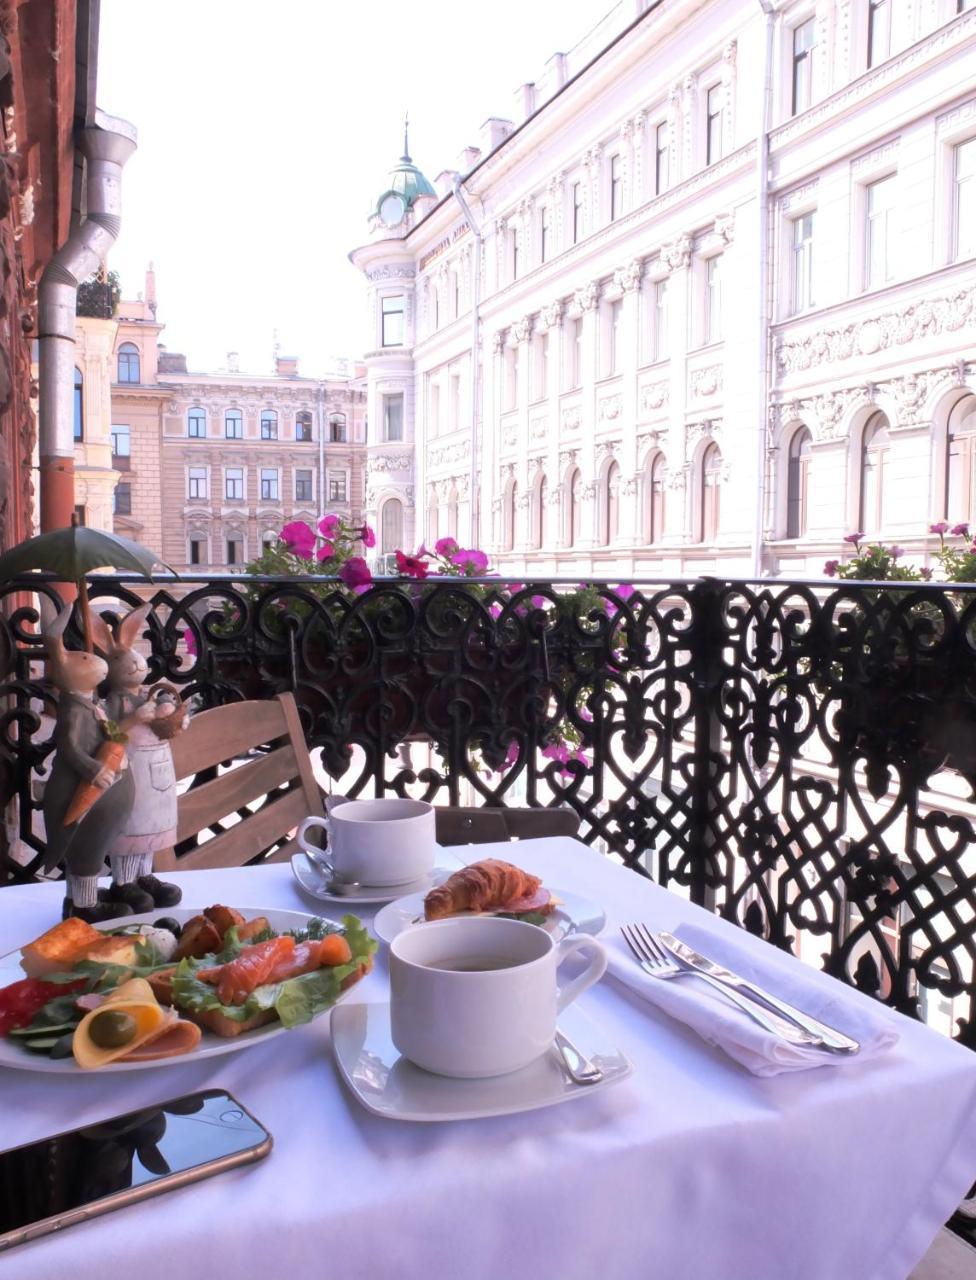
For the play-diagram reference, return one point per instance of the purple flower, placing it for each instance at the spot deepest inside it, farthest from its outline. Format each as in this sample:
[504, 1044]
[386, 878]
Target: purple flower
[830, 567]
[355, 573]
[329, 527]
[445, 546]
[540, 602]
[940, 527]
[586, 713]
[367, 536]
[325, 552]
[926, 575]
[190, 640]
[411, 566]
[896, 552]
[495, 610]
[299, 538]
[854, 538]
[625, 590]
[960, 530]
[471, 561]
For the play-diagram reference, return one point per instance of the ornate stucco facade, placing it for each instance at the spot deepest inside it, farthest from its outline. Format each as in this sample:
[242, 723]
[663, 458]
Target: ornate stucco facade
[700, 345]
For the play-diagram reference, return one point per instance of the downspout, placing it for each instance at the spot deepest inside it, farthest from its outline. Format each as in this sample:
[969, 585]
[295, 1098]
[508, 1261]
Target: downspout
[762, 199]
[106, 147]
[475, 498]
[320, 406]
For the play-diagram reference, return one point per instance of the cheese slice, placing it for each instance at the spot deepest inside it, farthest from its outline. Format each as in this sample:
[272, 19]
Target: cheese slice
[134, 997]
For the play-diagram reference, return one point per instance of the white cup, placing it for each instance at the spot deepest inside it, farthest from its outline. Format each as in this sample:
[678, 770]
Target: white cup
[377, 842]
[475, 1021]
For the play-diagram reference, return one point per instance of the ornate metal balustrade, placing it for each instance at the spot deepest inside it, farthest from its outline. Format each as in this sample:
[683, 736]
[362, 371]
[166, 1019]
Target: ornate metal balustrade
[800, 757]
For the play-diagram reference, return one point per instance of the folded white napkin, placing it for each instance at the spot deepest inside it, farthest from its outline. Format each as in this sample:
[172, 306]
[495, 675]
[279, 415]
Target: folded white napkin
[719, 1022]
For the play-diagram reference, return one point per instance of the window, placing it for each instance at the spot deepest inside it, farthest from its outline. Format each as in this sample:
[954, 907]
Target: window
[123, 499]
[269, 484]
[711, 475]
[878, 209]
[513, 250]
[303, 486]
[268, 539]
[874, 459]
[661, 320]
[269, 424]
[801, 266]
[575, 361]
[879, 31]
[198, 550]
[574, 488]
[961, 7]
[234, 484]
[196, 485]
[391, 526]
[235, 549]
[540, 373]
[713, 124]
[511, 377]
[452, 512]
[337, 487]
[964, 211]
[81, 515]
[121, 447]
[654, 498]
[614, 325]
[713, 301]
[234, 424]
[435, 408]
[79, 404]
[543, 234]
[797, 469]
[511, 516]
[541, 510]
[610, 504]
[128, 362]
[803, 45]
[392, 317]
[961, 460]
[455, 286]
[577, 196]
[454, 401]
[393, 417]
[196, 423]
[662, 157]
[303, 426]
[337, 428]
[616, 188]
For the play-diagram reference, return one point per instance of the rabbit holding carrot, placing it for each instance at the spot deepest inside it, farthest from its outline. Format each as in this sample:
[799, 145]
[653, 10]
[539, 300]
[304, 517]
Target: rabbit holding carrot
[150, 718]
[81, 732]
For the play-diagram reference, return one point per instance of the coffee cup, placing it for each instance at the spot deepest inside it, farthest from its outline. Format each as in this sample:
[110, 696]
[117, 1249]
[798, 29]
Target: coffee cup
[377, 842]
[479, 996]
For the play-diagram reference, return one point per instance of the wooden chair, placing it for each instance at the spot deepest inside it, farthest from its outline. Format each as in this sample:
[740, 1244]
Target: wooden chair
[219, 736]
[484, 826]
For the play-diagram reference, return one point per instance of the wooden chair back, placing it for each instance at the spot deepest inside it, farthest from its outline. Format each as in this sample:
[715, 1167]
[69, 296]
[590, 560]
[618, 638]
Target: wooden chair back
[484, 826]
[282, 777]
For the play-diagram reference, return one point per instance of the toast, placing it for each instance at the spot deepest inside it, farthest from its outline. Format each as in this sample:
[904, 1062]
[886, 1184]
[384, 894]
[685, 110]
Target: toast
[58, 949]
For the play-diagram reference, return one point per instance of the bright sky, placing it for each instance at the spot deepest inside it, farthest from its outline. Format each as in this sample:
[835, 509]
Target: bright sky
[265, 133]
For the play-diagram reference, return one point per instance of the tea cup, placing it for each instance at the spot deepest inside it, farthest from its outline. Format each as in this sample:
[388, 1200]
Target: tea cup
[379, 842]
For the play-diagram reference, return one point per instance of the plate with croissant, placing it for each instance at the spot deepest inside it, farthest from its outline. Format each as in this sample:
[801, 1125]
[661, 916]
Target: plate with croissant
[497, 888]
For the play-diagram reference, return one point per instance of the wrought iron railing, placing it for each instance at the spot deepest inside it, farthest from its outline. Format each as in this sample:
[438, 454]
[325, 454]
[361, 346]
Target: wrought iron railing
[800, 757]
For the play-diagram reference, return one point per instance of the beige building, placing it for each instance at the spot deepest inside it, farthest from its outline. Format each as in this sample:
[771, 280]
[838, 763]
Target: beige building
[211, 465]
[95, 473]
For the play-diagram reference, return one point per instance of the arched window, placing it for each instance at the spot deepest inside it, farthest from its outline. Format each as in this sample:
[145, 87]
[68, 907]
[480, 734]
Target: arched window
[196, 423]
[391, 526]
[234, 425]
[874, 461]
[574, 507]
[510, 509]
[961, 460]
[269, 424]
[610, 503]
[79, 403]
[129, 363]
[711, 491]
[654, 498]
[797, 470]
[540, 512]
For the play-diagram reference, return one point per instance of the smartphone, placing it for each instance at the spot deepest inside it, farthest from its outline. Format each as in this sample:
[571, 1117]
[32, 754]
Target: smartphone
[77, 1175]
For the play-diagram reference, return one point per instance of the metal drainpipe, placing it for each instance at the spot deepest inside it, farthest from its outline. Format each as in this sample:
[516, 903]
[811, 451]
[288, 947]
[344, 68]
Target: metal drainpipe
[320, 405]
[106, 147]
[762, 177]
[475, 501]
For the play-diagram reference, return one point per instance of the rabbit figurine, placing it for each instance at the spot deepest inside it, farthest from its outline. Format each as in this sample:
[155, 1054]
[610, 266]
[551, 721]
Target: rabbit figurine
[80, 730]
[146, 716]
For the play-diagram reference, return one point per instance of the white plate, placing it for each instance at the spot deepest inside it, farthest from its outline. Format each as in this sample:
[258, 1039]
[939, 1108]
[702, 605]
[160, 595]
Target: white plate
[572, 915]
[211, 1046]
[389, 1085]
[311, 880]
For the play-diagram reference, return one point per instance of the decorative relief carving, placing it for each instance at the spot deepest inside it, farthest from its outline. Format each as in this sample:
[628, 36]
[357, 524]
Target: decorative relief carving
[522, 500]
[610, 408]
[389, 462]
[607, 449]
[655, 396]
[697, 431]
[588, 491]
[628, 278]
[585, 299]
[798, 196]
[536, 465]
[879, 156]
[522, 329]
[568, 457]
[498, 341]
[510, 436]
[677, 253]
[449, 453]
[570, 419]
[538, 427]
[391, 273]
[706, 382]
[628, 487]
[725, 226]
[551, 315]
[678, 477]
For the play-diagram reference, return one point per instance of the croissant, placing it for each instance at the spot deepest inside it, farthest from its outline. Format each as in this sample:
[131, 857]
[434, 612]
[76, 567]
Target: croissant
[482, 886]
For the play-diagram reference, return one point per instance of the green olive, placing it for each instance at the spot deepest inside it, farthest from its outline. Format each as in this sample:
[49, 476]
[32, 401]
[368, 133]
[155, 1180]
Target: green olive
[112, 1029]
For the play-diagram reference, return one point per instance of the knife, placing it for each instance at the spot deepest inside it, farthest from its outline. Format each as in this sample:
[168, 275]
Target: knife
[832, 1038]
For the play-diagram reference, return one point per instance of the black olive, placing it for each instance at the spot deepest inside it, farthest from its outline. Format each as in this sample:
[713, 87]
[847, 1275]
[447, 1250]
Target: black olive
[112, 1029]
[171, 926]
[62, 1046]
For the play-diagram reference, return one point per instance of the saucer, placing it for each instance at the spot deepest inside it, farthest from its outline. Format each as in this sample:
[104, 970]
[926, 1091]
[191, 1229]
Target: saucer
[311, 881]
[388, 1085]
[573, 914]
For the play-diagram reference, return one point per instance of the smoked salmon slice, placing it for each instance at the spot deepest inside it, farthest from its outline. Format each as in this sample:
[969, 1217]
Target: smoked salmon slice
[309, 956]
[252, 969]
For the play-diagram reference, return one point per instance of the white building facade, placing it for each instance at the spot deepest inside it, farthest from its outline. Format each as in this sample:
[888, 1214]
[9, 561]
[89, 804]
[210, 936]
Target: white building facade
[665, 323]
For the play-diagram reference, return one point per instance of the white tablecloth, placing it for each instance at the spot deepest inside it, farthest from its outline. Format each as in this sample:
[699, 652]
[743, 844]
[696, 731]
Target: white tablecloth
[692, 1169]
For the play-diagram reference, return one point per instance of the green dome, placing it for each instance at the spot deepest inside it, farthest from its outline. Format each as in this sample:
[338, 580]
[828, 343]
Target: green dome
[405, 179]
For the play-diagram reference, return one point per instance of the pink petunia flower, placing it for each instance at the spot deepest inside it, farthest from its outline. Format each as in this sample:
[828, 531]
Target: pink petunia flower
[355, 573]
[926, 575]
[625, 590]
[325, 552]
[830, 567]
[299, 538]
[472, 561]
[329, 527]
[960, 530]
[940, 527]
[410, 566]
[896, 552]
[854, 538]
[190, 641]
[445, 546]
[367, 536]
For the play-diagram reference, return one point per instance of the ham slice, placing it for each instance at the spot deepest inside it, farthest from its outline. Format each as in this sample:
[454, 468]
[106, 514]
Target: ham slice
[174, 1037]
[541, 900]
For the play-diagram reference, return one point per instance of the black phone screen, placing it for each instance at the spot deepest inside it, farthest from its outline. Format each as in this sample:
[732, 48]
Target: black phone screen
[71, 1170]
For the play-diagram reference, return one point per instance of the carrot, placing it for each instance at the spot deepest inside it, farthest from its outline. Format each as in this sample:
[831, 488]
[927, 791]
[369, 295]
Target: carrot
[110, 754]
[334, 949]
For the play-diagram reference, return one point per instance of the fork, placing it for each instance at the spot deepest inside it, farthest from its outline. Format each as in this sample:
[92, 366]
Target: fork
[654, 960]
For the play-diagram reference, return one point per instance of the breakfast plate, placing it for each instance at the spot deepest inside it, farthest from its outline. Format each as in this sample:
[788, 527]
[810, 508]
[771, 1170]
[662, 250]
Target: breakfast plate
[312, 880]
[210, 1046]
[387, 1084]
[572, 915]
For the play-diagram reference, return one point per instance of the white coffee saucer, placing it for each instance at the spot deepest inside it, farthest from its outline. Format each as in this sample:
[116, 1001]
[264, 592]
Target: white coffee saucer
[312, 883]
[389, 1085]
